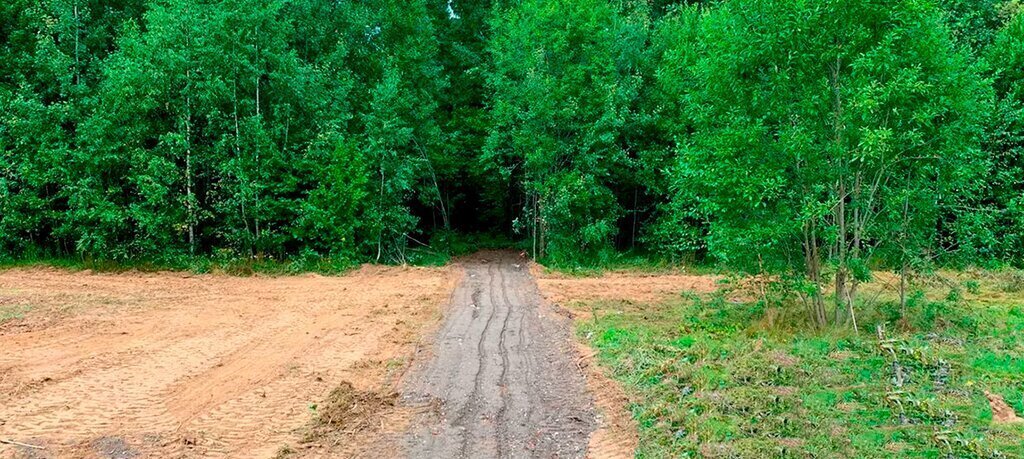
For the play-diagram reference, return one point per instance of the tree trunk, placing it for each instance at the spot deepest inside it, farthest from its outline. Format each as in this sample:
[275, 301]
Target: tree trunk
[903, 256]
[380, 203]
[903, 291]
[842, 271]
[533, 226]
[78, 64]
[190, 212]
[812, 261]
[542, 228]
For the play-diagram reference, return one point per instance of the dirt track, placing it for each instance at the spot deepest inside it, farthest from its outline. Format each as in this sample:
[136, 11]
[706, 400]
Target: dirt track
[503, 373]
[171, 365]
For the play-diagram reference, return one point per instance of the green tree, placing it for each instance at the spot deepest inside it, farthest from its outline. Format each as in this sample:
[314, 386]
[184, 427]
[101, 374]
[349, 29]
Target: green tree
[1005, 60]
[393, 57]
[561, 93]
[202, 125]
[472, 197]
[49, 65]
[826, 131]
[974, 23]
[677, 226]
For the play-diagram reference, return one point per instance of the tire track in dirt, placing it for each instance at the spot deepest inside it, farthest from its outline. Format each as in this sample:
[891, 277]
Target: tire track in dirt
[527, 398]
[503, 378]
[472, 400]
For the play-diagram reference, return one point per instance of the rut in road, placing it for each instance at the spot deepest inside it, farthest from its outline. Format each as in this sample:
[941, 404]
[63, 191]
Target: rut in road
[502, 373]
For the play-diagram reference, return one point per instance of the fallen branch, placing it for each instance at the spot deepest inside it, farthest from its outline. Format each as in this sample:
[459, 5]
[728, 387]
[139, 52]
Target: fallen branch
[18, 443]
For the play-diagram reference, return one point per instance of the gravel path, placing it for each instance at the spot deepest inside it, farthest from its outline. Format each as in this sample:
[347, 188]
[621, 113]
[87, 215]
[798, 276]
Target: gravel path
[502, 379]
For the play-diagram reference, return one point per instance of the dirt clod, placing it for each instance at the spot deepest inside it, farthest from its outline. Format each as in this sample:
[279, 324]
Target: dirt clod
[1001, 411]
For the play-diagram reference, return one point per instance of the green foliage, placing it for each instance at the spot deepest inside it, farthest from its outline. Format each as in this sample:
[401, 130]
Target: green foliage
[974, 23]
[562, 84]
[795, 98]
[826, 135]
[296, 129]
[1005, 60]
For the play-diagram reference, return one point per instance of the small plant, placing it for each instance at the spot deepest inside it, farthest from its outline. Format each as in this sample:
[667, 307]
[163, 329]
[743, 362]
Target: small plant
[955, 295]
[284, 451]
[973, 287]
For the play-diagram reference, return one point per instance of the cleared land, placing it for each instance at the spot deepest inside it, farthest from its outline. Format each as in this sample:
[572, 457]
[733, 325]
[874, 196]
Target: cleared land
[478, 360]
[175, 365]
[464, 360]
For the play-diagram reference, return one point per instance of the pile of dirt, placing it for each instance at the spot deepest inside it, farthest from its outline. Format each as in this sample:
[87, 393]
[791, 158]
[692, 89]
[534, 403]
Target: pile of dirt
[347, 408]
[1002, 413]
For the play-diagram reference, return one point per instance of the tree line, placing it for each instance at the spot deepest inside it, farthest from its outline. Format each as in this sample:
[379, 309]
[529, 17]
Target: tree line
[817, 139]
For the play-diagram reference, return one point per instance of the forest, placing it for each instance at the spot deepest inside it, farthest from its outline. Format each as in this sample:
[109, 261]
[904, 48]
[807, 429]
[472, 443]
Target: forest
[813, 140]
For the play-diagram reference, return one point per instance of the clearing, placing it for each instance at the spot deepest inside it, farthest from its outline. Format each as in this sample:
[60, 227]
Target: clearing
[467, 360]
[178, 365]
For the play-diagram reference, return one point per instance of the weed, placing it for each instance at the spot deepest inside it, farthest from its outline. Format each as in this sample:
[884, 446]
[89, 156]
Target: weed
[284, 451]
[13, 312]
[1012, 281]
[973, 287]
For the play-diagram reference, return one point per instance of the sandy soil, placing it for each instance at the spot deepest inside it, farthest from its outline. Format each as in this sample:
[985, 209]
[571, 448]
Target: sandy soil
[174, 365]
[616, 435]
[631, 287]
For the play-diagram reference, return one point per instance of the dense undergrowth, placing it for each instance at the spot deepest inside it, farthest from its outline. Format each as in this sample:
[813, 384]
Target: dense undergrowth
[442, 249]
[720, 377]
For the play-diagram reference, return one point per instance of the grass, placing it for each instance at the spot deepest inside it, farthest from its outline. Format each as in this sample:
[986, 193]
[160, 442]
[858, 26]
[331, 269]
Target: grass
[12, 312]
[712, 378]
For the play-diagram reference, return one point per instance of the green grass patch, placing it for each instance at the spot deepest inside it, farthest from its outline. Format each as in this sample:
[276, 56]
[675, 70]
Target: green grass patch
[709, 379]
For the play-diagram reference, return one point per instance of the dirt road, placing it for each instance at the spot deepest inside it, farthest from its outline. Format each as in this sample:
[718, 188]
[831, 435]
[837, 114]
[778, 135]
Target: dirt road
[174, 365]
[502, 373]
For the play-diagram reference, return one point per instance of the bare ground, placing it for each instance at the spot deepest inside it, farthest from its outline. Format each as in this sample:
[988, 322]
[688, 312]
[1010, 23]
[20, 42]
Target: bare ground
[631, 287]
[503, 373]
[173, 365]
